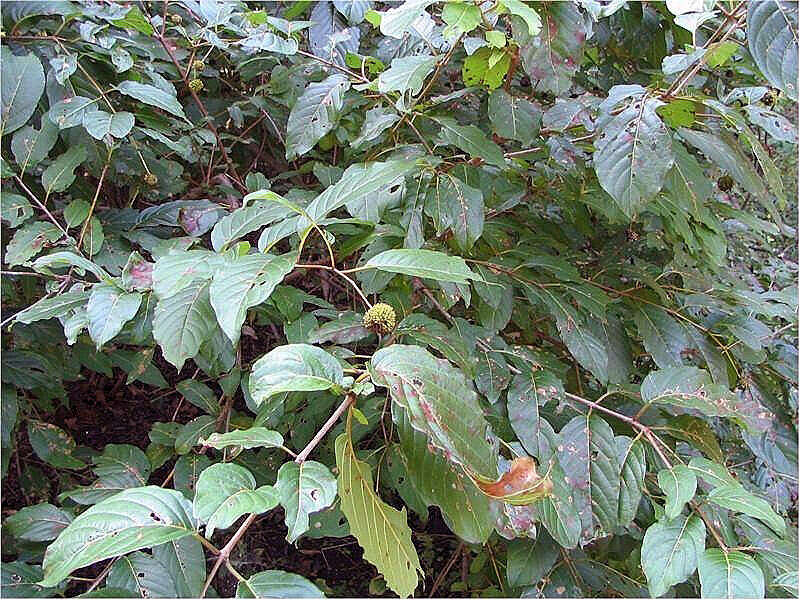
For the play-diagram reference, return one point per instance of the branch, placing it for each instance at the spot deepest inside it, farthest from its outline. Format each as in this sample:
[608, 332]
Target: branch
[651, 438]
[349, 399]
[40, 205]
[226, 551]
[94, 202]
[201, 106]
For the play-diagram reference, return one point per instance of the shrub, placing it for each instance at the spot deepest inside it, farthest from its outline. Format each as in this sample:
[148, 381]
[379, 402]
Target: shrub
[506, 291]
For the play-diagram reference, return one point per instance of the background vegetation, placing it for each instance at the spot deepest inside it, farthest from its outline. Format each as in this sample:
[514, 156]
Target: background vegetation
[421, 298]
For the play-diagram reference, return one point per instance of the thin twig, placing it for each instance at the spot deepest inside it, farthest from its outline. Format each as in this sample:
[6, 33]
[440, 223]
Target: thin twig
[446, 569]
[333, 65]
[684, 78]
[185, 77]
[40, 205]
[226, 551]
[345, 404]
[102, 575]
[94, 202]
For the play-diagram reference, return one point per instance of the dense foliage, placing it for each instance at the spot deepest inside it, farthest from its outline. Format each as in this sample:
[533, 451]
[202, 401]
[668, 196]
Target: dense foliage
[504, 290]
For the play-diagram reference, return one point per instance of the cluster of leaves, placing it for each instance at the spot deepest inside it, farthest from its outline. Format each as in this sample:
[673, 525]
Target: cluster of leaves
[593, 369]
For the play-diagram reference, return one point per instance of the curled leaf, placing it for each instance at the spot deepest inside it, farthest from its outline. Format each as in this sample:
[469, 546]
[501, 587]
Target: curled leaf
[521, 484]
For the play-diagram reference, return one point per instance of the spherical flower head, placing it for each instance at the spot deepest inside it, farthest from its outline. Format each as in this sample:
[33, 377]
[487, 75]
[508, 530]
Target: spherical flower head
[196, 85]
[176, 19]
[725, 183]
[199, 65]
[151, 179]
[380, 318]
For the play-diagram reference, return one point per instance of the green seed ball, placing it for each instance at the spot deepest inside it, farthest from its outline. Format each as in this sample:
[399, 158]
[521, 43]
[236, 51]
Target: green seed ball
[380, 318]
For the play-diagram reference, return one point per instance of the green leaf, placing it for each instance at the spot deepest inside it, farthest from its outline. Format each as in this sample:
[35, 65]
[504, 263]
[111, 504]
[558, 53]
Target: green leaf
[69, 259]
[131, 520]
[57, 306]
[119, 467]
[438, 482]
[440, 403]
[712, 473]
[729, 575]
[727, 153]
[787, 582]
[678, 113]
[174, 271]
[664, 338]
[406, 74]
[719, 53]
[99, 124]
[304, 488]
[76, 212]
[553, 56]
[527, 392]
[376, 121]
[254, 437]
[135, 21]
[772, 39]
[183, 321]
[381, 530]
[191, 433]
[670, 552]
[314, 114]
[108, 309]
[29, 240]
[679, 485]
[94, 237]
[185, 561]
[9, 409]
[530, 16]
[736, 498]
[357, 185]
[558, 512]
[53, 445]
[423, 263]
[348, 327]
[529, 561]
[461, 18]
[398, 20]
[471, 140]
[692, 388]
[242, 283]
[142, 576]
[61, 172]
[277, 584]
[514, 118]
[604, 473]
[37, 523]
[70, 111]
[18, 580]
[225, 492]
[31, 146]
[633, 152]
[15, 208]
[22, 86]
[496, 39]
[458, 206]
[293, 368]
[153, 96]
[697, 432]
[199, 394]
[589, 350]
[631, 458]
[262, 211]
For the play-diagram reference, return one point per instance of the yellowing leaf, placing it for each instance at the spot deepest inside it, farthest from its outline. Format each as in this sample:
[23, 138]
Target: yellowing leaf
[381, 530]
